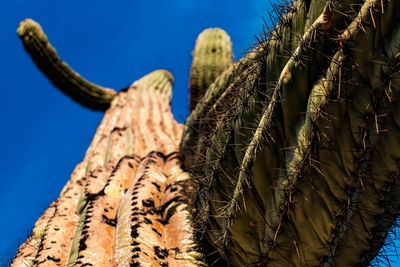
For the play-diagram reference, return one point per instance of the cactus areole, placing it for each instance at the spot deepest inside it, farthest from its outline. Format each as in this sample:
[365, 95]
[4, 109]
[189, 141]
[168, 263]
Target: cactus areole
[290, 157]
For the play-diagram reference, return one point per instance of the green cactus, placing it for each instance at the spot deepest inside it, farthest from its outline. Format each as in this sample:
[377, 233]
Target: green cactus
[291, 155]
[58, 72]
[211, 55]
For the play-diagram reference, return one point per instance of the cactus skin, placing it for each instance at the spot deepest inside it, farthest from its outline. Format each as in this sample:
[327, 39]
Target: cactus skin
[58, 72]
[289, 152]
[83, 227]
[212, 54]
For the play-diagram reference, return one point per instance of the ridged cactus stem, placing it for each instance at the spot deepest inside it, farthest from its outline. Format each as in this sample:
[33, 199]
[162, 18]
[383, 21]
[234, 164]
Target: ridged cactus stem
[128, 202]
[58, 72]
[322, 24]
[263, 169]
[320, 109]
[297, 169]
[212, 54]
[161, 232]
[225, 92]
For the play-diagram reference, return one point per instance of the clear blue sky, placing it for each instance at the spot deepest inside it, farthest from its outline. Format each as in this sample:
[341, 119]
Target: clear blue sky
[44, 134]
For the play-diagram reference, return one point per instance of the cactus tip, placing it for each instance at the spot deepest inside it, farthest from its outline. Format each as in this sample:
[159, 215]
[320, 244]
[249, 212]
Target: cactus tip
[29, 25]
[167, 74]
[24, 25]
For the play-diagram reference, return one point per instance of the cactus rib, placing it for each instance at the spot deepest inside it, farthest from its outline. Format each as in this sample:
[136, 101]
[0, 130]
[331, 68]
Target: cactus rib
[156, 230]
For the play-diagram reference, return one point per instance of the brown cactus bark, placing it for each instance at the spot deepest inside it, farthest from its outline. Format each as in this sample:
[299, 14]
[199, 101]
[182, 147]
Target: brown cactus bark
[127, 202]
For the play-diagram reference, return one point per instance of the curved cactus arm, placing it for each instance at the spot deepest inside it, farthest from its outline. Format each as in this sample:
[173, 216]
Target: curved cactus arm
[212, 55]
[58, 72]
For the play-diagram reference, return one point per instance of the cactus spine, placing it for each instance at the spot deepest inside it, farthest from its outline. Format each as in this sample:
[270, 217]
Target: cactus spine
[294, 150]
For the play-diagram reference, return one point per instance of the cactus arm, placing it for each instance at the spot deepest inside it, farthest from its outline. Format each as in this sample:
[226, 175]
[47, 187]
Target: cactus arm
[212, 55]
[58, 72]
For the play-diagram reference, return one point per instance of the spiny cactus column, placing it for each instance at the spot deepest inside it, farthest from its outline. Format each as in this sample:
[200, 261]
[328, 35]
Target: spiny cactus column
[295, 147]
[128, 202]
[211, 55]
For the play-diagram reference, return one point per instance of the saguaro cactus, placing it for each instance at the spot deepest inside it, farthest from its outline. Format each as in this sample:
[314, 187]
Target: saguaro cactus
[127, 202]
[290, 155]
[297, 157]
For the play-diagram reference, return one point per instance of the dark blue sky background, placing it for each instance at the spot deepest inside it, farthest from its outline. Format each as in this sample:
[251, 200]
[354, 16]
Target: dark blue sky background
[44, 134]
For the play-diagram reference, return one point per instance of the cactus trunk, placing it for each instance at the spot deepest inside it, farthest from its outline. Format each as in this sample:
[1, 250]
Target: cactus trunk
[127, 202]
[294, 145]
